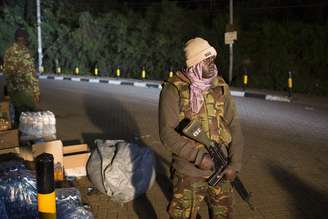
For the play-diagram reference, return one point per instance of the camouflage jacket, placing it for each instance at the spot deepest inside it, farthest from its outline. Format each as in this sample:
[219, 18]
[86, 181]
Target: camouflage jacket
[19, 71]
[187, 153]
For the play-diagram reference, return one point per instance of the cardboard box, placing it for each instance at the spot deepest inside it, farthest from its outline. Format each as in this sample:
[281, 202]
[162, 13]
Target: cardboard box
[52, 147]
[15, 150]
[25, 152]
[71, 149]
[5, 110]
[73, 157]
[9, 139]
[75, 160]
[56, 149]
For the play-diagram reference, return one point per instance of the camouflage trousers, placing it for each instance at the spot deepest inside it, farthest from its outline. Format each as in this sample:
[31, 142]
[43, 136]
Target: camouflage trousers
[189, 192]
[23, 102]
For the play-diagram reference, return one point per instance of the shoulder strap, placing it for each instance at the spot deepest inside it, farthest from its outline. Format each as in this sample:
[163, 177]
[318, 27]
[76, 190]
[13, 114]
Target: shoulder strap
[182, 83]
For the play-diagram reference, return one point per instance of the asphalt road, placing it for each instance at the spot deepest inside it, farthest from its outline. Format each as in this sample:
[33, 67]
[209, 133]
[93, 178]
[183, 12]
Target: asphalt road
[285, 160]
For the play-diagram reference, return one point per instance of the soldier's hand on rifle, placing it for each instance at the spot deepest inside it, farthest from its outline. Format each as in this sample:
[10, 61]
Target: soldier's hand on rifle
[206, 163]
[229, 173]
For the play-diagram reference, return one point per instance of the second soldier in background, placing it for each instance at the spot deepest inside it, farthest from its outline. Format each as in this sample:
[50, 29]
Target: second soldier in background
[20, 75]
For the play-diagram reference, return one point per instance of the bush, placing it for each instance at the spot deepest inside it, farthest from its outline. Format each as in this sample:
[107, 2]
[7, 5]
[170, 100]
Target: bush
[154, 38]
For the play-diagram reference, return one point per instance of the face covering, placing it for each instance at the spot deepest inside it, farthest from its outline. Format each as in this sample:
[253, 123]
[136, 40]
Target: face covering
[198, 84]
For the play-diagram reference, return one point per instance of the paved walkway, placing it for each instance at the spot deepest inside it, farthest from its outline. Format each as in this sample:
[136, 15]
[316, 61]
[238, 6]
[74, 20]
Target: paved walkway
[286, 148]
[284, 166]
[285, 159]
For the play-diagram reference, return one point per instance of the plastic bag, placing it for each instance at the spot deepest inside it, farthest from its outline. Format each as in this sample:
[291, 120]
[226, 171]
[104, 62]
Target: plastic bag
[37, 125]
[18, 190]
[3, 212]
[18, 195]
[69, 204]
[121, 170]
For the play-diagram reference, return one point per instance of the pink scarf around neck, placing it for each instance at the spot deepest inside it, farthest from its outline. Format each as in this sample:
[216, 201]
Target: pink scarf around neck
[198, 85]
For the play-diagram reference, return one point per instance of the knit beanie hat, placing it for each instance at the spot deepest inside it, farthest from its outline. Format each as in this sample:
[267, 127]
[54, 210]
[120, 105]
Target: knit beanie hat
[197, 50]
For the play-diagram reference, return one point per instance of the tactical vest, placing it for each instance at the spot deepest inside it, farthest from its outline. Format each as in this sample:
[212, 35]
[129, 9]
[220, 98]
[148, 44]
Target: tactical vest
[211, 115]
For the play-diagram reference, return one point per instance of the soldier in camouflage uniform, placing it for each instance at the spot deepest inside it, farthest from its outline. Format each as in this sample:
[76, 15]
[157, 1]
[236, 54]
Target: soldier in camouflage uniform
[199, 93]
[20, 74]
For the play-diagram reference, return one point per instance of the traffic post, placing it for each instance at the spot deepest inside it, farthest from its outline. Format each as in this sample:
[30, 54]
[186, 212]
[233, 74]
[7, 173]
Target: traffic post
[46, 186]
[41, 69]
[290, 83]
[170, 73]
[245, 79]
[96, 71]
[143, 73]
[118, 72]
[77, 70]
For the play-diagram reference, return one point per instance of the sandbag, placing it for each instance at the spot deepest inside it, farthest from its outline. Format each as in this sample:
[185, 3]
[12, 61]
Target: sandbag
[121, 170]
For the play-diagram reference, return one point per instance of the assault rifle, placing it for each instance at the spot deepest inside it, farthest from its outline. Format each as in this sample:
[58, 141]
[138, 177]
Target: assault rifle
[194, 131]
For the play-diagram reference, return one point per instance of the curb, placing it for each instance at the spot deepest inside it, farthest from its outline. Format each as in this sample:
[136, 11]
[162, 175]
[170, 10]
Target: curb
[157, 85]
[260, 96]
[104, 81]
